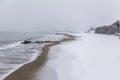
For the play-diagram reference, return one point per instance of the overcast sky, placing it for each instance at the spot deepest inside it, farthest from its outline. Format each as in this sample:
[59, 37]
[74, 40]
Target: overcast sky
[51, 15]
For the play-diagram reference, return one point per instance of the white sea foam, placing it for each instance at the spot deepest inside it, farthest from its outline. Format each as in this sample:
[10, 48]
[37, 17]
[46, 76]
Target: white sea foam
[36, 54]
[50, 37]
[10, 45]
[13, 56]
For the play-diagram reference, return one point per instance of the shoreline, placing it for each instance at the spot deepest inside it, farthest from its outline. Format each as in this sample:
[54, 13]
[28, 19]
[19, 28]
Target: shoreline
[27, 71]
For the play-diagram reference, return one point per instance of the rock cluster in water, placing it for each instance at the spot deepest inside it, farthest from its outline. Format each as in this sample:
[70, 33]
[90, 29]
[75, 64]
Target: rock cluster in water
[26, 42]
[38, 42]
[111, 29]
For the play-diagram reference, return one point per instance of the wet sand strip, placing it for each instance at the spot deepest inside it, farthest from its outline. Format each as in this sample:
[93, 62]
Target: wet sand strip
[27, 71]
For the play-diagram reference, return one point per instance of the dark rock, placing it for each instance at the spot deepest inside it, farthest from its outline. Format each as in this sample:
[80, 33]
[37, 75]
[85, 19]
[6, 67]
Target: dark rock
[38, 42]
[102, 30]
[26, 42]
[112, 29]
[48, 41]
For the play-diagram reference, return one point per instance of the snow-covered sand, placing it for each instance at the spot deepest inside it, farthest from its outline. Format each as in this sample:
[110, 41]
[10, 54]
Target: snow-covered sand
[90, 57]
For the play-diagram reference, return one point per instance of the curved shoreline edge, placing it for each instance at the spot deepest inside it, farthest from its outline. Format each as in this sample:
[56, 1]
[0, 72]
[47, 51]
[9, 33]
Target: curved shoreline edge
[27, 71]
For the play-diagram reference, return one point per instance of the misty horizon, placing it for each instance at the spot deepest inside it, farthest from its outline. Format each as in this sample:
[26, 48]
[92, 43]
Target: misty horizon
[56, 15]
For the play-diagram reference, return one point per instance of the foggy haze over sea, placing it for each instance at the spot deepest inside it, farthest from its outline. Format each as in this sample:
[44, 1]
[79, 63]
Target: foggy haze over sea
[56, 15]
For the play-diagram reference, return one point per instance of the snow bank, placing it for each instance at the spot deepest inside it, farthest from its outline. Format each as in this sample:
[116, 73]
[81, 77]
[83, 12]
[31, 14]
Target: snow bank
[93, 57]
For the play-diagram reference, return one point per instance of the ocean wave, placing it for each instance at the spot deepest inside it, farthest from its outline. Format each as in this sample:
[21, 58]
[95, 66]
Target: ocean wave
[11, 70]
[14, 44]
[15, 55]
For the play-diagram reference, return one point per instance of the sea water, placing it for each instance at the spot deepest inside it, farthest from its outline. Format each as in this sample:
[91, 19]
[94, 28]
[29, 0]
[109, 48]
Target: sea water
[13, 54]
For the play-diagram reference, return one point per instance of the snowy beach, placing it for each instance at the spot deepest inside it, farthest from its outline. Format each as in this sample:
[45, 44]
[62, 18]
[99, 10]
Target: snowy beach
[90, 57]
[59, 40]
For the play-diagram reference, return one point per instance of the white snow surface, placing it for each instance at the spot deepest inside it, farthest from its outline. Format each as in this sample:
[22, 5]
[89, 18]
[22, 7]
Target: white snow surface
[91, 57]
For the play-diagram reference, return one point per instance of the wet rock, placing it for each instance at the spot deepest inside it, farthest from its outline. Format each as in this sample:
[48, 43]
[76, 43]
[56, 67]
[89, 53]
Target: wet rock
[26, 42]
[39, 42]
[48, 41]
